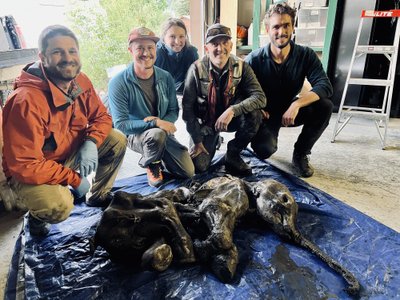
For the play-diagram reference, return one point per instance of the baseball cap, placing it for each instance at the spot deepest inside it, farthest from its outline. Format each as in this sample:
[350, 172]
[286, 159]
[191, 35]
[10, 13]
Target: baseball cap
[142, 33]
[217, 30]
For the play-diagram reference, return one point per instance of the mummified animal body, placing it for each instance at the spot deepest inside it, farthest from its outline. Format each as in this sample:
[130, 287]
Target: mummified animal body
[149, 230]
[144, 230]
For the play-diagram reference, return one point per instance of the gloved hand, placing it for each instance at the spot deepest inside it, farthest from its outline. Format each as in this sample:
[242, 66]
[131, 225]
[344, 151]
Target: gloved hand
[87, 158]
[83, 188]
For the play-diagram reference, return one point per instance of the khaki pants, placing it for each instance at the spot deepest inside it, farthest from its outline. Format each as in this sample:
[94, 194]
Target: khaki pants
[54, 203]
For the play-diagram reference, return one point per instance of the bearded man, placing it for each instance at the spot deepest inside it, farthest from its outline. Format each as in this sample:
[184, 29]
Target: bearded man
[56, 133]
[281, 68]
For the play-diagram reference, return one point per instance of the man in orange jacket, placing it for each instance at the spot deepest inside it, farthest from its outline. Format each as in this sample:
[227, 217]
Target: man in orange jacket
[55, 124]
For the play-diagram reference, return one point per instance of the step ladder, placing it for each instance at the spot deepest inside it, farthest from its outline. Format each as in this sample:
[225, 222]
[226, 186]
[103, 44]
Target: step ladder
[381, 114]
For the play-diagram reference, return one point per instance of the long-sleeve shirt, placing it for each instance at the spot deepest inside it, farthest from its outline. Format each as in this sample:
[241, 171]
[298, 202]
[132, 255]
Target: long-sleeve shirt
[43, 126]
[282, 82]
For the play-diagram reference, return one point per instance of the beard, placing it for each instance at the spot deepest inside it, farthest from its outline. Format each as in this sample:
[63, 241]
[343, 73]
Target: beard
[58, 72]
[281, 46]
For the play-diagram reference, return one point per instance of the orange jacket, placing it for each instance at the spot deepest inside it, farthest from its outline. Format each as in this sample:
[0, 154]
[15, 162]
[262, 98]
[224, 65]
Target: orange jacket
[42, 127]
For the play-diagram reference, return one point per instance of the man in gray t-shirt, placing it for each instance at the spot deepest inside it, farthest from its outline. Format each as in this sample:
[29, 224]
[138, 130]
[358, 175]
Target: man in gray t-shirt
[144, 107]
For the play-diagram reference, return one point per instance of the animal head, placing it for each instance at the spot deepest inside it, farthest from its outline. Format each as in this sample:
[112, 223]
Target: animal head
[276, 205]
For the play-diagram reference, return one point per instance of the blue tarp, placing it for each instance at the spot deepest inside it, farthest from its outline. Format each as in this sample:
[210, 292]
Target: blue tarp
[60, 266]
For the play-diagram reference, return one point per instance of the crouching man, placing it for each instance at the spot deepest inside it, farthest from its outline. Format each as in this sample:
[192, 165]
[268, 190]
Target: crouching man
[221, 94]
[54, 125]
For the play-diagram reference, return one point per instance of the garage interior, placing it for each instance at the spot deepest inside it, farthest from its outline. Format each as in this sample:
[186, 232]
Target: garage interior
[355, 169]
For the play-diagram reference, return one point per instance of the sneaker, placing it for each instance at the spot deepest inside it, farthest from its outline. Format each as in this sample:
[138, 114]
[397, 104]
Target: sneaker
[38, 227]
[154, 174]
[235, 165]
[100, 201]
[302, 165]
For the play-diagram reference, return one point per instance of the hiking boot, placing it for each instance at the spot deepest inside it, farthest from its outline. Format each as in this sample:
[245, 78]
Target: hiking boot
[38, 227]
[235, 165]
[154, 174]
[302, 164]
[100, 201]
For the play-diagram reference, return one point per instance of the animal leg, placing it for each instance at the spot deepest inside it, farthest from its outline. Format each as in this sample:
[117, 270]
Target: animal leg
[158, 257]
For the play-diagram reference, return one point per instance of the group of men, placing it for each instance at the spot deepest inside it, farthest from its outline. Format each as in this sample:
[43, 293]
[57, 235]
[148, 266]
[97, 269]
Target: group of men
[57, 131]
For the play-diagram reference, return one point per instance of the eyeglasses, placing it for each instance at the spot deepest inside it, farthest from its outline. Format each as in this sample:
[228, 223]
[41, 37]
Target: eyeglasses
[216, 31]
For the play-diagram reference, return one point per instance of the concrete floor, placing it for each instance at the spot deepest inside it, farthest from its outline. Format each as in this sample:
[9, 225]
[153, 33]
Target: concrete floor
[354, 170]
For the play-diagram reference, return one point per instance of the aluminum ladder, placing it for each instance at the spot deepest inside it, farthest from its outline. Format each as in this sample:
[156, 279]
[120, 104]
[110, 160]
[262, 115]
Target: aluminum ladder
[381, 114]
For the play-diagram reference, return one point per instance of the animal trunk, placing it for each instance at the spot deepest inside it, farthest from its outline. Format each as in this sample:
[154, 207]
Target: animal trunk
[354, 285]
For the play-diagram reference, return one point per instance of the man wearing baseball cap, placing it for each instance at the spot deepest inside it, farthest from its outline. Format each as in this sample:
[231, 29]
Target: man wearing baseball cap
[144, 107]
[221, 94]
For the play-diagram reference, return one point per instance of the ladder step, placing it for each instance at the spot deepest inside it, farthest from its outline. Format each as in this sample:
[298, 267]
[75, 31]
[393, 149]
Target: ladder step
[381, 114]
[367, 114]
[376, 49]
[368, 81]
[363, 108]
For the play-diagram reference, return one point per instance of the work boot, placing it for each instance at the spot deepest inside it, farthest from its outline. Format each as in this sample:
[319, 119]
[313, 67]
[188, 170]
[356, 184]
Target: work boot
[302, 164]
[235, 165]
[38, 227]
[103, 200]
[154, 174]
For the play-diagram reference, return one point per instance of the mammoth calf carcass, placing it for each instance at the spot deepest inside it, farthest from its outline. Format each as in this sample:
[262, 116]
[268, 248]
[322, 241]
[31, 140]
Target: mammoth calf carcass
[145, 231]
[149, 228]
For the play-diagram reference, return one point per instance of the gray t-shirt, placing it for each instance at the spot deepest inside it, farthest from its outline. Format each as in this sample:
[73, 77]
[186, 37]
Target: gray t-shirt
[149, 93]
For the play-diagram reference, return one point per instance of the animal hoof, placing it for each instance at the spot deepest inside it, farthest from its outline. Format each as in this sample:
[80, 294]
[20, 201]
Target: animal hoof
[158, 258]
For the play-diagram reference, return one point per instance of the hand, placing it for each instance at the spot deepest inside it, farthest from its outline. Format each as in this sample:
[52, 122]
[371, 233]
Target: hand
[265, 114]
[150, 118]
[83, 188]
[290, 115]
[166, 126]
[197, 150]
[223, 121]
[87, 158]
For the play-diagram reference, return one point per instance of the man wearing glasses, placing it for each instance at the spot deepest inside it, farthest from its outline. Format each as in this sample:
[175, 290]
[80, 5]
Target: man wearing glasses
[221, 94]
[144, 107]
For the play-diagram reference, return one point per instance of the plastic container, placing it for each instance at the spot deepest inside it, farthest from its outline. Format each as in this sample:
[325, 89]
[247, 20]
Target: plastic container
[310, 37]
[313, 3]
[315, 17]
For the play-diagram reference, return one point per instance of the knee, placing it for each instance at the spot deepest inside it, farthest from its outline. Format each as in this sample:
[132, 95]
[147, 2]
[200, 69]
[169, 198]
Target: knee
[58, 211]
[252, 121]
[326, 106]
[201, 163]
[264, 150]
[189, 171]
[118, 141]
[117, 138]
[156, 136]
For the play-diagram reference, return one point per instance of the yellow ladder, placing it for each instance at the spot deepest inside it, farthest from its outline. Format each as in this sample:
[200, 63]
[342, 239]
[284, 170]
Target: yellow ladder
[381, 114]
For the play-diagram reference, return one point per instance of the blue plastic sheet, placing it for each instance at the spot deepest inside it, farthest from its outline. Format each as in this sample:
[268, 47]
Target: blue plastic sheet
[61, 266]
